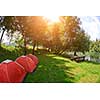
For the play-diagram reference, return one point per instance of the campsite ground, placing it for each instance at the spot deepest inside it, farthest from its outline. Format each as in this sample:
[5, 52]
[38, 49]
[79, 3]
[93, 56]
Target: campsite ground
[54, 69]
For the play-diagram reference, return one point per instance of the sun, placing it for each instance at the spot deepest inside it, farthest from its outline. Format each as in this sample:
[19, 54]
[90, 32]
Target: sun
[52, 19]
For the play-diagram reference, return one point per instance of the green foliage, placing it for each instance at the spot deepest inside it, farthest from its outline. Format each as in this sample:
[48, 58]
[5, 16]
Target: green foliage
[71, 25]
[67, 36]
[7, 23]
[75, 38]
[81, 42]
[95, 49]
[32, 29]
[71, 28]
[18, 40]
[54, 38]
[57, 37]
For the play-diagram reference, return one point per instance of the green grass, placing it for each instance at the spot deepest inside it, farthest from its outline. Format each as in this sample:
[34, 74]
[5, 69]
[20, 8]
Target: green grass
[51, 68]
[54, 69]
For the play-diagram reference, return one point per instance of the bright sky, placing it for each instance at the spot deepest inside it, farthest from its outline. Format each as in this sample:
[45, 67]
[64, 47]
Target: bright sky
[52, 18]
[91, 24]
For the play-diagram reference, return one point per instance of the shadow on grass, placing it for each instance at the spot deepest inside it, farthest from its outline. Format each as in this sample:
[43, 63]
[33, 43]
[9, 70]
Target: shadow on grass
[51, 70]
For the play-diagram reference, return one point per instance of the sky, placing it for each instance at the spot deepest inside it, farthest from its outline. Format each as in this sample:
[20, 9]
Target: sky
[91, 24]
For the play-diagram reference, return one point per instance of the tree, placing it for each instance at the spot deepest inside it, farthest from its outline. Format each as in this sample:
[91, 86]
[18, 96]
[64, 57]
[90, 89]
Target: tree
[31, 27]
[6, 24]
[21, 26]
[81, 42]
[71, 26]
[36, 26]
[95, 49]
[75, 37]
[53, 38]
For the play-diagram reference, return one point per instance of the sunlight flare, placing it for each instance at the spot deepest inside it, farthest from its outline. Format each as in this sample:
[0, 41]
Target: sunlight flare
[52, 19]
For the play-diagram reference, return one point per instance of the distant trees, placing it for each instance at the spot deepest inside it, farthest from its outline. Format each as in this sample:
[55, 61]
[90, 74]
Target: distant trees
[95, 49]
[58, 37]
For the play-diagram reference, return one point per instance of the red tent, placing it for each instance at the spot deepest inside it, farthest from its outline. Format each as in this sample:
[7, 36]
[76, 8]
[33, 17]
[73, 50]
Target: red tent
[12, 72]
[34, 58]
[27, 63]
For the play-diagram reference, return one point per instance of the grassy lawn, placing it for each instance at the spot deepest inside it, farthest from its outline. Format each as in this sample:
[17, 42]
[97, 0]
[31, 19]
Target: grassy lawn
[54, 69]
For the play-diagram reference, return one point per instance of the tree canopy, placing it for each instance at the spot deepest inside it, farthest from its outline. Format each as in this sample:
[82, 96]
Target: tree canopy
[58, 37]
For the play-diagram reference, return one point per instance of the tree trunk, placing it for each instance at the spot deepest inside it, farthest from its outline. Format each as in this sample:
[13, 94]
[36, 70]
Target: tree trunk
[63, 50]
[25, 51]
[34, 44]
[2, 36]
[75, 53]
[37, 46]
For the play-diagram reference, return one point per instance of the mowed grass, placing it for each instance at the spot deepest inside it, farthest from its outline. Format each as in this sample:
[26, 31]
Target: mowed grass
[54, 69]
[57, 69]
[51, 68]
